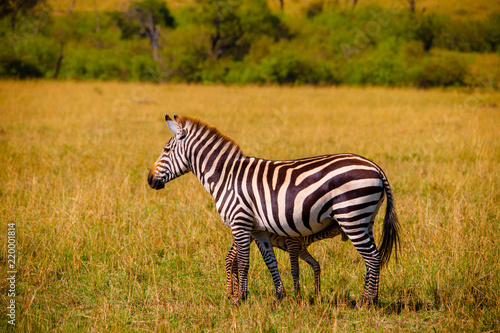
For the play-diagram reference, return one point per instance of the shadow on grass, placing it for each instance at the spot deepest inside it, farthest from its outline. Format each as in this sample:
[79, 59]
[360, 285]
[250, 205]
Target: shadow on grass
[401, 305]
[345, 300]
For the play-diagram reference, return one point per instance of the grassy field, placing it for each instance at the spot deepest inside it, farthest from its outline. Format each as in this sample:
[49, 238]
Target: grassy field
[98, 250]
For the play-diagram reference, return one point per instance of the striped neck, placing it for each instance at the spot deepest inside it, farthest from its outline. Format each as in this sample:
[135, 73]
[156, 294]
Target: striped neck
[210, 154]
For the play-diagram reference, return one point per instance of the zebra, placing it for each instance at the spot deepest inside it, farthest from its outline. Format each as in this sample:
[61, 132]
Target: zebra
[295, 246]
[289, 198]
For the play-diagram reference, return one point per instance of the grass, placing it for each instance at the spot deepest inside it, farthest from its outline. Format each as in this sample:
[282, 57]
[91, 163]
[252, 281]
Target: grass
[98, 250]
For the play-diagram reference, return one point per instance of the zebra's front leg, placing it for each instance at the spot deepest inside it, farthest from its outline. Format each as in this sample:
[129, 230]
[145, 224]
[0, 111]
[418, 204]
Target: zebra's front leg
[242, 241]
[266, 249]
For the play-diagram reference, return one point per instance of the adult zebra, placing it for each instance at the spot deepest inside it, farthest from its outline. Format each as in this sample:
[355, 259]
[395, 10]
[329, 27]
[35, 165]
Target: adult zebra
[292, 198]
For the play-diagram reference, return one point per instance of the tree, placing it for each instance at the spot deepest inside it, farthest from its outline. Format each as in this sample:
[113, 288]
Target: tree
[13, 7]
[234, 24]
[144, 19]
[224, 24]
[62, 31]
[427, 28]
[150, 16]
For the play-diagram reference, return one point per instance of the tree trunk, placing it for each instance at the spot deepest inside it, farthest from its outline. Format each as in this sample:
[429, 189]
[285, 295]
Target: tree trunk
[215, 41]
[13, 17]
[59, 61]
[282, 5]
[97, 21]
[70, 10]
[154, 33]
[412, 5]
[154, 42]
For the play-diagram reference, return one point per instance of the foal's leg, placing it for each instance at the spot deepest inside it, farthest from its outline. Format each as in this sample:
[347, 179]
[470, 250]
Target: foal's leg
[307, 257]
[294, 246]
[232, 279]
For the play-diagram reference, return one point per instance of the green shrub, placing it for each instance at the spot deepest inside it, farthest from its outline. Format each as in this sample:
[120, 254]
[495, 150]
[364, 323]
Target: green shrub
[461, 37]
[378, 68]
[492, 32]
[145, 68]
[441, 69]
[20, 69]
[184, 53]
[241, 73]
[287, 65]
[94, 64]
[26, 55]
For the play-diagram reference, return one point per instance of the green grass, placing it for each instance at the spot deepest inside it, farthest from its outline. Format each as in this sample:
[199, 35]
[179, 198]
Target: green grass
[98, 250]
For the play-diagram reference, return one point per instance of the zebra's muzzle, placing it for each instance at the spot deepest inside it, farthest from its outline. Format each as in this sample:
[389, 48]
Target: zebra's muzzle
[154, 182]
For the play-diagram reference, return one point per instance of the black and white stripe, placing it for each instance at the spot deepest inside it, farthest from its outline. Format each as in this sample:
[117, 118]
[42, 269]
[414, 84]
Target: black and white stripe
[287, 198]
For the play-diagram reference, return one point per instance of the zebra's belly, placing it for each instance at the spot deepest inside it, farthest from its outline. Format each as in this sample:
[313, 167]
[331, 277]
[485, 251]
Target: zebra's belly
[282, 228]
[354, 203]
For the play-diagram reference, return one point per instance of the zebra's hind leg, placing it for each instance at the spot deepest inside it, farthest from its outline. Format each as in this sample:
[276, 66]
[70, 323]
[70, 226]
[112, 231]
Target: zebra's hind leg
[232, 278]
[365, 245]
[372, 263]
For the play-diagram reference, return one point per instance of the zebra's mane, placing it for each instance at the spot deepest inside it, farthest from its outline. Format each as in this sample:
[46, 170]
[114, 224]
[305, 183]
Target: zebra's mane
[196, 124]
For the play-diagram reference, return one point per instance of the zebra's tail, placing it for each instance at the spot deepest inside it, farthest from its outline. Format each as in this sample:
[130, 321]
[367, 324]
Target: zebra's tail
[390, 230]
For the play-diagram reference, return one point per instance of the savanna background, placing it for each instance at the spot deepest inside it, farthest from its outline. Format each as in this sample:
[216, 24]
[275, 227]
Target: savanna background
[85, 85]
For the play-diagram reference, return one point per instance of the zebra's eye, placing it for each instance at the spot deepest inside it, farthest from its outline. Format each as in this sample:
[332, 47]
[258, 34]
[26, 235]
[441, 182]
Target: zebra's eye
[166, 149]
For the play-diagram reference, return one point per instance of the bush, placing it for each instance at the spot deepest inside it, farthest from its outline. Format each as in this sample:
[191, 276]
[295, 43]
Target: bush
[461, 37]
[94, 64]
[27, 55]
[241, 73]
[184, 53]
[442, 69]
[288, 65]
[145, 68]
[377, 68]
[492, 32]
[21, 70]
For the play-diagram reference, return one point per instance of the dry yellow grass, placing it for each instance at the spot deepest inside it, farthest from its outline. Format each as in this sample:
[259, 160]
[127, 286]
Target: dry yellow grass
[99, 250]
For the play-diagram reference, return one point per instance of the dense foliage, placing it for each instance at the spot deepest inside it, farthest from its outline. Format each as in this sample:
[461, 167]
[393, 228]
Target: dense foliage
[245, 42]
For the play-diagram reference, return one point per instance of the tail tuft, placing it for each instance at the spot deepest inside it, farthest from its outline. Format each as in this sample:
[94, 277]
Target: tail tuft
[390, 231]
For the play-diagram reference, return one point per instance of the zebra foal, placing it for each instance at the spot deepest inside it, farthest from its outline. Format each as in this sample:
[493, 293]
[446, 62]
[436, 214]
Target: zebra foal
[257, 197]
[296, 248]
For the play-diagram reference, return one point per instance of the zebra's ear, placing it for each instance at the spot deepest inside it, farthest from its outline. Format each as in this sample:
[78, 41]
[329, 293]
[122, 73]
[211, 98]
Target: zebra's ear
[175, 127]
